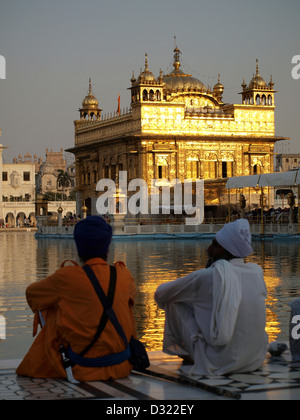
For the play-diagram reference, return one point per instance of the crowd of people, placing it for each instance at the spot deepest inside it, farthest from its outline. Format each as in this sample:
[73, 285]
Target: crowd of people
[272, 215]
[71, 219]
[26, 222]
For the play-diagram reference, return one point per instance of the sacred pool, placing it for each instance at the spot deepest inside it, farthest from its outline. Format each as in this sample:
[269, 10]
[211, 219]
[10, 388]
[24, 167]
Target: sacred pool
[25, 259]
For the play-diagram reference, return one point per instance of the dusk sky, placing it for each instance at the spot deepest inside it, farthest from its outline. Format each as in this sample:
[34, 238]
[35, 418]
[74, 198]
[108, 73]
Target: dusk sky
[52, 47]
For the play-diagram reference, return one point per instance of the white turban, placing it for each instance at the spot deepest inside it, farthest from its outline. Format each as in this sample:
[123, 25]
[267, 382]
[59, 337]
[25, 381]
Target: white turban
[236, 238]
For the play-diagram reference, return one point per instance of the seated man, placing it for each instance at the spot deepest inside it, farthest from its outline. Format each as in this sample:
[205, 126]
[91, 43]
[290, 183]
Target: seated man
[72, 311]
[216, 317]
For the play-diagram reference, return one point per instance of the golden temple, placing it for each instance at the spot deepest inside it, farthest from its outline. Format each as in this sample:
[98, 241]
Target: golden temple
[177, 128]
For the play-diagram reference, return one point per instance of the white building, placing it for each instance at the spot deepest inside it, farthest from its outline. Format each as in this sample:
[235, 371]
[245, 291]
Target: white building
[17, 192]
[285, 162]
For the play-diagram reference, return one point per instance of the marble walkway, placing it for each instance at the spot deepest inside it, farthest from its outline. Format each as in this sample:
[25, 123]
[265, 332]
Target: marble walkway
[279, 379]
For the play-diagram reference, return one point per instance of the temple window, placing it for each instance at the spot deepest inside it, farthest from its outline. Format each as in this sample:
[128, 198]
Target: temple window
[26, 176]
[257, 169]
[113, 172]
[227, 169]
[224, 169]
[162, 172]
[95, 177]
[145, 95]
[270, 100]
[193, 169]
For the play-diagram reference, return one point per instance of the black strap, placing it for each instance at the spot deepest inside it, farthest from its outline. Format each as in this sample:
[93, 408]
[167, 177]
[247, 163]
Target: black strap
[106, 304]
[110, 298]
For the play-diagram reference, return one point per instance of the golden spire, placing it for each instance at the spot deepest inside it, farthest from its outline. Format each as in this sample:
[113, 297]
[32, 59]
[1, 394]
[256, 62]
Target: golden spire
[133, 79]
[177, 53]
[146, 62]
[257, 68]
[219, 89]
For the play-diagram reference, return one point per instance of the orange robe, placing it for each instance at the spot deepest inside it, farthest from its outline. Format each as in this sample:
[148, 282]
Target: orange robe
[72, 311]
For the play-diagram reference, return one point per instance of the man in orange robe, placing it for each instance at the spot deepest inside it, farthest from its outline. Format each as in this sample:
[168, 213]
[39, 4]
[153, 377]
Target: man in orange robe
[72, 311]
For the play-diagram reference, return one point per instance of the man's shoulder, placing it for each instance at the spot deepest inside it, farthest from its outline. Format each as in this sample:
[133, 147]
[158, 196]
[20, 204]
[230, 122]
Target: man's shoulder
[69, 271]
[122, 269]
[120, 264]
[254, 267]
[202, 273]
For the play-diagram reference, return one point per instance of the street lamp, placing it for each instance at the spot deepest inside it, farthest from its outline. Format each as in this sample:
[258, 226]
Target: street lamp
[60, 212]
[262, 204]
[84, 210]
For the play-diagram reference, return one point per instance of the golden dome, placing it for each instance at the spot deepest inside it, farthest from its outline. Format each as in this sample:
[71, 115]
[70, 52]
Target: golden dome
[179, 81]
[219, 87]
[146, 76]
[218, 90]
[257, 81]
[84, 208]
[90, 101]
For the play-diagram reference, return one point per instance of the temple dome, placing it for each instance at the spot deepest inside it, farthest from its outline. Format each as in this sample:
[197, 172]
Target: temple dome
[184, 82]
[257, 81]
[146, 76]
[180, 81]
[90, 101]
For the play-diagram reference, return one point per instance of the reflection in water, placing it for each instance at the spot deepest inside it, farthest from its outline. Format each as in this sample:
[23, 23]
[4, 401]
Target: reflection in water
[151, 262]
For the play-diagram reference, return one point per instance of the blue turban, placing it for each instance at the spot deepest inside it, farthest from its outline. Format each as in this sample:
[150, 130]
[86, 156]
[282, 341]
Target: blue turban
[92, 236]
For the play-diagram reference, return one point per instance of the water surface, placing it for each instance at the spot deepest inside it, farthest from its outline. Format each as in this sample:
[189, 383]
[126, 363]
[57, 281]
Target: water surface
[25, 259]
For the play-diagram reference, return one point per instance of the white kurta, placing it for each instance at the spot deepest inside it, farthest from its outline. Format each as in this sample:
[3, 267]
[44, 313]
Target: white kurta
[189, 302]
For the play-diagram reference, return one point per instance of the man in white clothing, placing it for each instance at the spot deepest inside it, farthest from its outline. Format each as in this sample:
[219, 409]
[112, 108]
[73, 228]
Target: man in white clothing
[216, 317]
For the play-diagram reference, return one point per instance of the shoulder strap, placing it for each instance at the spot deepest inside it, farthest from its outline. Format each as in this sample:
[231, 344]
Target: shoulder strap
[106, 304]
[110, 298]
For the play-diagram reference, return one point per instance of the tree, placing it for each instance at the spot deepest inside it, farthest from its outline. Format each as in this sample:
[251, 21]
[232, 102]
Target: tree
[63, 180]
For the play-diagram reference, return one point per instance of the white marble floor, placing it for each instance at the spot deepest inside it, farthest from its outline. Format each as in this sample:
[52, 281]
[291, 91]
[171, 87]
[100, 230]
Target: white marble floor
[279, 379]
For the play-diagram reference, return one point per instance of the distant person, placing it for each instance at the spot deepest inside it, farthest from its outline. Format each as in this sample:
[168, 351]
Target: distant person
[72, 311]
[216, 317]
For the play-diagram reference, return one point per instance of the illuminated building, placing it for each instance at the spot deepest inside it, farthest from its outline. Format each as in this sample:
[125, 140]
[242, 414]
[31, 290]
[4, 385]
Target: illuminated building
[176, 127]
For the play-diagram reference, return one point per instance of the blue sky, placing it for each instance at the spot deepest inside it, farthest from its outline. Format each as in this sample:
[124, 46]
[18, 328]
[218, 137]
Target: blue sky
[53, 47]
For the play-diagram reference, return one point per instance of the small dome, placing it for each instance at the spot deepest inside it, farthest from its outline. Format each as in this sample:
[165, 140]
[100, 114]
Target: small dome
[219, 87]
[257, 81]
[90, 101]
[218, 90]
[27, 157]
[146, 76]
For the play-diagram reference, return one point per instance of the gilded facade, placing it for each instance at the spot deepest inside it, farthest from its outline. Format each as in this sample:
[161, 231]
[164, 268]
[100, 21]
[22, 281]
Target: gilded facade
[177, 127]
